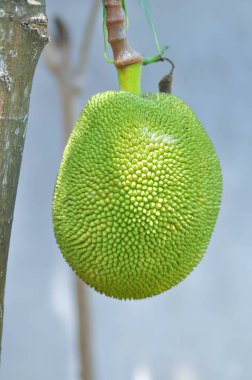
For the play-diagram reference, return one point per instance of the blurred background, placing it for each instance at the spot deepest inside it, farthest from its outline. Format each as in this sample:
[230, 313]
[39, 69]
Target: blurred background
[201, 329]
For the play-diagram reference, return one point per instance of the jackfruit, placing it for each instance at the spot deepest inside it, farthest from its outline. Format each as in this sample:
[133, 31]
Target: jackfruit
[137, 194]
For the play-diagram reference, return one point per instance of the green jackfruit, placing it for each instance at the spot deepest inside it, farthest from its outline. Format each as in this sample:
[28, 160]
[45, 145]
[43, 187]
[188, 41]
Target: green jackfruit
[137, 195]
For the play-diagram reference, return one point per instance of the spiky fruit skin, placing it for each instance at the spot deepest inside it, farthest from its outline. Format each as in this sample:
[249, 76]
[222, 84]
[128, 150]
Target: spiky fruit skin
[137, 195]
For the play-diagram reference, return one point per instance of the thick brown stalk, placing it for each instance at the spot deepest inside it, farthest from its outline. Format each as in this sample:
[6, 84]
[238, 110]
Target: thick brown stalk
[123, 53]
[23, 35]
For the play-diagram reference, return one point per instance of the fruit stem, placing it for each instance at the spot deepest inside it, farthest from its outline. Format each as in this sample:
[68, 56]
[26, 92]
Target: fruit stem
[127, 61]
[130, 78]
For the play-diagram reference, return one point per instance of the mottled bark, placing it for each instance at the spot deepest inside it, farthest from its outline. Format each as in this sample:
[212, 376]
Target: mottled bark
[23, 35]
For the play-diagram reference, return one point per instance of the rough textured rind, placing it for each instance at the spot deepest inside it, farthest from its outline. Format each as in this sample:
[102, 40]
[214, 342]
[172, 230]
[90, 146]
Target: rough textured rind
[137, 195]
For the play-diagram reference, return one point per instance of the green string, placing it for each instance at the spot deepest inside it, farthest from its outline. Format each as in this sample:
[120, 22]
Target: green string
[105, 33]
[126, 14]
[146, 7]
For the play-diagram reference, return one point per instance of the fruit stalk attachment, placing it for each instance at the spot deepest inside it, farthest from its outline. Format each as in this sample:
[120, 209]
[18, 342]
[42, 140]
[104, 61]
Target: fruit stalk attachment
[127, 61]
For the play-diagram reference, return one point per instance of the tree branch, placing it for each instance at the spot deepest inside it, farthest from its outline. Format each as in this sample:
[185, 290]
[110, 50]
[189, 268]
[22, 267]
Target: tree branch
[23, 26]
[86, 41]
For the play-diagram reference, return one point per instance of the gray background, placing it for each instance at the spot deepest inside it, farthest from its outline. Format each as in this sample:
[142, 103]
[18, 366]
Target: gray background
[200, 330]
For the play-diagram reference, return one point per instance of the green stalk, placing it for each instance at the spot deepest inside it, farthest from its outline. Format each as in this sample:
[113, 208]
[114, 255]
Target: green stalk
[130, 78]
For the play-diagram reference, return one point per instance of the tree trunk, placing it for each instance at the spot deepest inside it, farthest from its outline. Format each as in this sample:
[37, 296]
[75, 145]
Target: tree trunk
[23, 35]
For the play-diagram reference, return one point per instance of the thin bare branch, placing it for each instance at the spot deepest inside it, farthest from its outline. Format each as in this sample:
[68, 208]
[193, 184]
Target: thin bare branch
[67, 77]
[87, 38]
